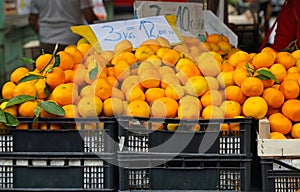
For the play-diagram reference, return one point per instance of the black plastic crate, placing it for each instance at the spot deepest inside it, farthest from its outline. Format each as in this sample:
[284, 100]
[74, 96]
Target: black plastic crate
[141, 135]
[82, 135]
[41, 173]
[159, 171]
[279, 176]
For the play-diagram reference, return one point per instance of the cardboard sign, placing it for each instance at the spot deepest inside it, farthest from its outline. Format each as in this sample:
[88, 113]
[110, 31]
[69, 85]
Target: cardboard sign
[189, 17]
[214, 25]
[135, 30]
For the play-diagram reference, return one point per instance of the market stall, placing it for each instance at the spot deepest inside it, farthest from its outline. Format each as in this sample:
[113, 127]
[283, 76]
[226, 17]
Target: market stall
[150, 104]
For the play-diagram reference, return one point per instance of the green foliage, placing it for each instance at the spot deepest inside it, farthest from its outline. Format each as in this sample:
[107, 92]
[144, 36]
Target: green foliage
[30, 77]
[232, 2]
[53, 108]
[37, 112]
[93, 72]
[261, 74]
[27, 60]
[48, 106]
[109, 65]
[249, 70]
[11, 120]
[2, 116]
[56, 61]
[264, 74]
[19, 99]
[8, 119]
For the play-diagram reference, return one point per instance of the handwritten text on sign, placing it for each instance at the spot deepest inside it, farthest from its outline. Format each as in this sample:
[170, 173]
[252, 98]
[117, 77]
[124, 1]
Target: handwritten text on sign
[136, 30]
[189, 15]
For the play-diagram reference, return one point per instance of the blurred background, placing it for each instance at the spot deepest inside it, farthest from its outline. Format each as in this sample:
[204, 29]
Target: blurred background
[250, 20]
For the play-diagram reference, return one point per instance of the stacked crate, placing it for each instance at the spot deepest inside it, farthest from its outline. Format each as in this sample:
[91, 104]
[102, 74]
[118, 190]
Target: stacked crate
[79, 156]
[127, 153]
[197, 156]
[280, 161]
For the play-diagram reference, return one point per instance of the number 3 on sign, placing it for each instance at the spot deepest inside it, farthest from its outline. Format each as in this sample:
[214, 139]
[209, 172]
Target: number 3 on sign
[135, 30]
[115, 35]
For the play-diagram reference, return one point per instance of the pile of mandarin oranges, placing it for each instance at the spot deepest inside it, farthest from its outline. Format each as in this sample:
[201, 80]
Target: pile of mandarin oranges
[189, 80]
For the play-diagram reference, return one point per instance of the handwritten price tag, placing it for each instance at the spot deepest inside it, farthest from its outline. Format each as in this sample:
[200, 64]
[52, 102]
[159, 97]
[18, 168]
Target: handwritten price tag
[189, 16]
[136, 30]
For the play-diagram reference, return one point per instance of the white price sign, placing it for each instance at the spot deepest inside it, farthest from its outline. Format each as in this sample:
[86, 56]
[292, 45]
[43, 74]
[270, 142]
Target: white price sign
[189, 16]
[135, 30]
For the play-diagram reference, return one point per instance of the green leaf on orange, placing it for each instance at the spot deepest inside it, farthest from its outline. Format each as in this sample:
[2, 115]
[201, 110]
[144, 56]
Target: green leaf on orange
[11, 120]
[19, 99]
[93, 73]
[2, 117]
[56, 61]
[264, 74]
[53, 108]
[27, 60]
[30, 77]
[37, 112]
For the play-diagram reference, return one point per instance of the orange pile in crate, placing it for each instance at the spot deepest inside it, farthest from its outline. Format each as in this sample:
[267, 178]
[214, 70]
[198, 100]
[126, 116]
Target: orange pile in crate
[190, 80]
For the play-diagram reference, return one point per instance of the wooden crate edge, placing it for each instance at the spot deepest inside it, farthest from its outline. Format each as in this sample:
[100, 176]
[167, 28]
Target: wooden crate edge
[278, 147]
[267, 147]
